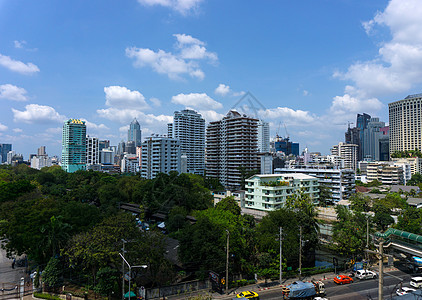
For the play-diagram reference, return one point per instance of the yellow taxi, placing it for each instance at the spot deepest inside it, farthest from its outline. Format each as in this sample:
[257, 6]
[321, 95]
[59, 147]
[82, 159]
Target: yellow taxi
[248, 295]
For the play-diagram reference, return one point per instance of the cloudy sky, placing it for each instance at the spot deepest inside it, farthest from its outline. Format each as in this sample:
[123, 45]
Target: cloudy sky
[312, 65]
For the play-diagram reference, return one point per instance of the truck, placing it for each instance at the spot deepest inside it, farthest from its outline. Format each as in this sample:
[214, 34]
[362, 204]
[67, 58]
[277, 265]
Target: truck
[303, 290]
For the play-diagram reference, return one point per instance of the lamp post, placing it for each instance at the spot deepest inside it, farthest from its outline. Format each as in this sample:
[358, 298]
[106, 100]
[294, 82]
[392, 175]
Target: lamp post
[130, 270]
[227, 262]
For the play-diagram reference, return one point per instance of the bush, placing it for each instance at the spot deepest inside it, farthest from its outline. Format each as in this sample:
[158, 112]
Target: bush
[46, 296]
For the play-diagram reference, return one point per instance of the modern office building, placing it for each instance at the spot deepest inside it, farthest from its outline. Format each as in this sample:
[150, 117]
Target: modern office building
[270, 192]
[362, 121]
[130, 147]
[74, 145]
[134, 133]
[232, 145]
[92, 151]
[286, 146]
[102, 144]
[405, 119]
[160, 154]
[189, 128]
[340, 182]
[372, 136]
[263, 136]
[4, 149]
[348, 152]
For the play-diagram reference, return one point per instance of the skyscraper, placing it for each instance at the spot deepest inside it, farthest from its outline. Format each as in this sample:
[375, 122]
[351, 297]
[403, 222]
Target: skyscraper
[134, 133]
[371, 138]
[362, 121]
[189, 128]
[232, 145]
[4, 149]
[405, 124]
[348, 152]
[263, 136]
[92, 151]
[74, 145]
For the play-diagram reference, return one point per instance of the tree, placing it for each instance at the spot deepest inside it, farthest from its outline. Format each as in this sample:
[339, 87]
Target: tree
[360, 203]
[325, 195]
[107, 281]
[410, 220]
[55, 235]
[229, 204]
[415, 180]
[53, 274]
[382, 216]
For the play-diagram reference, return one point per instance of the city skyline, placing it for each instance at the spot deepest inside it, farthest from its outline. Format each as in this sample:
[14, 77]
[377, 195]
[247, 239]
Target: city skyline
[313, 66]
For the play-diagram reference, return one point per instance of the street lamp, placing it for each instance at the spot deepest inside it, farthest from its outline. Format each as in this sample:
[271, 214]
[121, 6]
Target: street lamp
[130, 270]
[227, 262]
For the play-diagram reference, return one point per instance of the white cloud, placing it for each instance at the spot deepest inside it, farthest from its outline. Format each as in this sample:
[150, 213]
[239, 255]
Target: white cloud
[126, 116]
[12, 92]
[3, 127]
[18, 66]
[211, 115]
[290, 116]
[35, 113]
[184, 7]
[54, 130]
[398, 67]
[122, 97]
[19, 44]
[305, 93]
[17, 130]
[199, 101]
[186, 61]
[222, 90]
[124, 128]
[93, 126]
[348, 104]
[155, 101]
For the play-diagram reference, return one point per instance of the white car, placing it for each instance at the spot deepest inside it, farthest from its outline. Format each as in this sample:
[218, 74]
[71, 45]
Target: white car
[416, 282]
[404, 290]
[320, 298]
[365, 274]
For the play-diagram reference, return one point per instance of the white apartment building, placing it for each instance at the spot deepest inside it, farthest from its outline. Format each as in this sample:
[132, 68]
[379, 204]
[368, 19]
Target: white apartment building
[385, 172]
[232, 143]
[270, 192]
[160, 154]
[405, 118]
[341, 182]
[129, 164]
[348, 152]
[189, 128]
[415, 164]
[39, 162]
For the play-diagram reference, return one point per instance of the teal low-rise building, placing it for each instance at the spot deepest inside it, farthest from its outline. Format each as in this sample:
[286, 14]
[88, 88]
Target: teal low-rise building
[270, 191]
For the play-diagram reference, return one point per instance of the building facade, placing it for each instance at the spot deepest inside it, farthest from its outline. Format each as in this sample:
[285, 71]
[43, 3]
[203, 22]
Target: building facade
[134, 133]
[4, 149]
[74, 145]
[270, 192]
[372, 136]
[232, 145]
[92, 151]
[348, 152]
[189, 128]
[405, 118]
[340, 182]
[159, 155]
[362, 121]
[263, 136]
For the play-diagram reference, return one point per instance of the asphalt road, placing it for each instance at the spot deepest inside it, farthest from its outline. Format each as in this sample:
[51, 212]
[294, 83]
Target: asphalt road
[365, 289]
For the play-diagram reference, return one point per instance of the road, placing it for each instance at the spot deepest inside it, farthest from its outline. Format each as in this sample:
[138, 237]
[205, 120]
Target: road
[358, 290]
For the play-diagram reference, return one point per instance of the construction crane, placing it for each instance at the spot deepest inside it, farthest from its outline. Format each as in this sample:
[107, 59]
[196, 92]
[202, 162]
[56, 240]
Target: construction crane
[287, 134]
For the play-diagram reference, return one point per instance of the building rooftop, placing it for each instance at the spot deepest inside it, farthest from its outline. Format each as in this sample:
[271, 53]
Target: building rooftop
[294, 175]
[414, 96]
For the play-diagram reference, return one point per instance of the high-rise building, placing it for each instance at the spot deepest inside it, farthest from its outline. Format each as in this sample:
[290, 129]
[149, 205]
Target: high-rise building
[348, 152]
[372, 135]
[134, 133]
[41, 151]
[362, 121]
[189, 128]
[263, 136]
[284, 145]
[231, 148]
[130, 147]
[74, 145]
[405, 118]
[160, 154]
[102, 144]
[4, 149]
[92, 151]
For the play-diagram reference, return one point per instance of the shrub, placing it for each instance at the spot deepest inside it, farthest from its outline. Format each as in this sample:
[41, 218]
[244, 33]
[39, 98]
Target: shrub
[46, 296]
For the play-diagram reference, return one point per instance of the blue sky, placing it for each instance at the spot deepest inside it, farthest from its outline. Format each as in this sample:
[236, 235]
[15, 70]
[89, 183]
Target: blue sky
[312, 64]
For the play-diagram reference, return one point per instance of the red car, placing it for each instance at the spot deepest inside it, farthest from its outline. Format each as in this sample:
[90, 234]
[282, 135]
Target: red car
[342, 279]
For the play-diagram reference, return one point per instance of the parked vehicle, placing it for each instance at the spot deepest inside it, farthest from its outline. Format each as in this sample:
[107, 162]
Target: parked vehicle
[303, 290]
[416, 282]
[365, 274]
[251, 295]
[342, 279]
[404, 291]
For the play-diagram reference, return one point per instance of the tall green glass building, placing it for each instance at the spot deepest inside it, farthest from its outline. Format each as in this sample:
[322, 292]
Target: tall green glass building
[74, 145]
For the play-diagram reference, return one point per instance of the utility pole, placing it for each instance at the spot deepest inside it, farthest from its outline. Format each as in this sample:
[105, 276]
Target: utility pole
[381, 277]
[300, 250]
[281, 254]
[123, 271]
[367, 232]
[227, 262]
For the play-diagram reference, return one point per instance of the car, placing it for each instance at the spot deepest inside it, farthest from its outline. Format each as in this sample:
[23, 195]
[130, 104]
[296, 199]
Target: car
[342, 279]
[404, 290]
[416, 282]
[320, 298]
[365, 274]
[248, 295]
